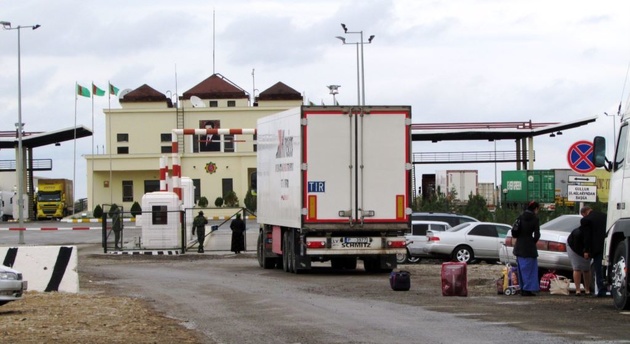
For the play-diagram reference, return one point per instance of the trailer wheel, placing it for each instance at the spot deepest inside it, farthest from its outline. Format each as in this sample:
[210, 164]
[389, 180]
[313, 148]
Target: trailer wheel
[259, 250]
[291, 253]
[285, 251]
[619, 289]
[263, 260]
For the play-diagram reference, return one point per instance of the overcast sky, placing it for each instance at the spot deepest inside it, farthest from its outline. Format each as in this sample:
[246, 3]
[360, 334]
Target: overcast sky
[452, 61]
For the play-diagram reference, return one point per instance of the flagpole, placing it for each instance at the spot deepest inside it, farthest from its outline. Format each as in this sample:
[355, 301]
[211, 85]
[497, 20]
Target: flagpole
[109, 138]
[93, 132]
[74, 160]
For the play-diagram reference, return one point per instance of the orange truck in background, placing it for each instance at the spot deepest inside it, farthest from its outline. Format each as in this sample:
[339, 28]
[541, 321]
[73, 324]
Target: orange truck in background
[54, 198]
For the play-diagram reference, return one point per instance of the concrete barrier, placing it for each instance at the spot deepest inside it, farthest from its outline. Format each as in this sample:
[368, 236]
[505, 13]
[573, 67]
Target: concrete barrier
[46, 268]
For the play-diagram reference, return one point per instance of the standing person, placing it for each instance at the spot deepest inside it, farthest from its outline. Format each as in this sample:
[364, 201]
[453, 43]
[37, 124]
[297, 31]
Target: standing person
[199, 224]
[581, 265]
[525, 249]
[117, 227]
[238, 240]
[593, 224]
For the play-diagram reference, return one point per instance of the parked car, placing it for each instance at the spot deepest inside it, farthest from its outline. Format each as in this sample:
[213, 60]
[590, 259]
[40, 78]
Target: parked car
[468, 242]
[11, 285]
[450, 218]
[552, 245]
[417, 239]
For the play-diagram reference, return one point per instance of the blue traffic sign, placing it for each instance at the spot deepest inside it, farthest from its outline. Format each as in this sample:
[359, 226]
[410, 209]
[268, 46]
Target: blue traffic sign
[579, 157]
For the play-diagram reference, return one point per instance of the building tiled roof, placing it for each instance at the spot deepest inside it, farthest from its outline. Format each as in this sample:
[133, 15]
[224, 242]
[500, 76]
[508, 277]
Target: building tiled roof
[216, 87]
[279, 91]
[144, 93]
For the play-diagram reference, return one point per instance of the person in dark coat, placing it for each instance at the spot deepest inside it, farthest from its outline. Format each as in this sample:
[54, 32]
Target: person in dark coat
[199, 225]
[593, 224]
[525, 250]
[581, 266]
[117, 227]
[238, 239]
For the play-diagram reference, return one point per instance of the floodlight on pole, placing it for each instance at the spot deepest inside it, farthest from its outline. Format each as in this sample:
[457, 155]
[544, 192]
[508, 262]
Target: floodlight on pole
[19, 164]
[360, 61]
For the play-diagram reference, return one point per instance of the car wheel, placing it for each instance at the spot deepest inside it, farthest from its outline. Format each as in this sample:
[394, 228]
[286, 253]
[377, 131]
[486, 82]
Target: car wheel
[619, 289]
[413, 260]
[463, 254]
[401, 258]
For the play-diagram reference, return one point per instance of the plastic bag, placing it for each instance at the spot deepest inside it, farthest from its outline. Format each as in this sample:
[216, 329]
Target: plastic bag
[559, 285]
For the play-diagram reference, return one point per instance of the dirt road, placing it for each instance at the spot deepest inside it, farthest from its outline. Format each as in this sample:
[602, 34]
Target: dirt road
[229, 299]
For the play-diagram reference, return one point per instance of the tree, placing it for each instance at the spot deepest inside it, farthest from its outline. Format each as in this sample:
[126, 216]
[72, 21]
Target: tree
[136, 209]
[203, 202]
[250, 201]
[218, 202]
[477, 208]
[98, 212]
[231, 200]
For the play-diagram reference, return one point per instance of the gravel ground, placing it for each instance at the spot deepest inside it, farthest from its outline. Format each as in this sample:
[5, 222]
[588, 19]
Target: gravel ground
[96, 315]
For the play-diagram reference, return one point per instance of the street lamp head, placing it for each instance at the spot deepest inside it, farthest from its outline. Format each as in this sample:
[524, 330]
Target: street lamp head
[343, 40]
[5, 24]
[36, 26]
[343, 26]
[370, 39]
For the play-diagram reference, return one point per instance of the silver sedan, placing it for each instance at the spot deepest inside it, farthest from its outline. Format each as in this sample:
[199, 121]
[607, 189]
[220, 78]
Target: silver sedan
[552, 245]
[11, 285]
[468, 242]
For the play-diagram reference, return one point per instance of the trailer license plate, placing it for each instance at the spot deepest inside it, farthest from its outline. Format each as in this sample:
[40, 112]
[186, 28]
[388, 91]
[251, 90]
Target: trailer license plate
[352, 242]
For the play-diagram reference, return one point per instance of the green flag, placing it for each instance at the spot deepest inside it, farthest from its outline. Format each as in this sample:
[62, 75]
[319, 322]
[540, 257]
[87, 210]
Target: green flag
[97, 91]
[113, 90]
[83, 91]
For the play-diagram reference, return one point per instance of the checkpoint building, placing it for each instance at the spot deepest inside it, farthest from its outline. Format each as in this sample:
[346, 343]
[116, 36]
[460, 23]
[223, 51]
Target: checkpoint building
[139, 133]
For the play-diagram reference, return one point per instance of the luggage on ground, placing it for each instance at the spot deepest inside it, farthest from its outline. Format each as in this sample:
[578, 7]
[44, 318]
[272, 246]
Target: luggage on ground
[546, 279]
[454, 279]
[508, 282]
[400, 280]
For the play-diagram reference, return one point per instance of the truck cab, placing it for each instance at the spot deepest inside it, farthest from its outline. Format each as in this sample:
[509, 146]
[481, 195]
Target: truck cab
[617, 244]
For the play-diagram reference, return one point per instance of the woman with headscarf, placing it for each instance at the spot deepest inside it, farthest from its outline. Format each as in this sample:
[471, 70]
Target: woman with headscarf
[525, 249]
[238, 239]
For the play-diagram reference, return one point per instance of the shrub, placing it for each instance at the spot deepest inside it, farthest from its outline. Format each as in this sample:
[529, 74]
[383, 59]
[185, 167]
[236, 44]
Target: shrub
[136, 209]
[231, 200]
[250, 201]
[218, 202]
[203, 202]
[98, 212]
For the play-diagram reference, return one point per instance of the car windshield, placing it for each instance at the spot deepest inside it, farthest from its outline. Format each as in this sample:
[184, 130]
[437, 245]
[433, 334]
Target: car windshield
[459, 227]
[562, 224]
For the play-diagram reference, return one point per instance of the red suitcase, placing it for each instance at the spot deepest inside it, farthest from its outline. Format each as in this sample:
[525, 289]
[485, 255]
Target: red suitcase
[454, 280]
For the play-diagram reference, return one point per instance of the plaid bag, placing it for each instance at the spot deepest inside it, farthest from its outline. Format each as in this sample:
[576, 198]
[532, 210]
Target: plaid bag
[545, 280]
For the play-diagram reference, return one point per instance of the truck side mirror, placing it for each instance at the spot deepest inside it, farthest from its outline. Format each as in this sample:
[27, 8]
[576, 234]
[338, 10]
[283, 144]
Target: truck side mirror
[599, 151]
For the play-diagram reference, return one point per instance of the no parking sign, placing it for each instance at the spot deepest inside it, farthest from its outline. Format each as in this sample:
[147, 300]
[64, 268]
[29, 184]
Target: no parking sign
[579, 157]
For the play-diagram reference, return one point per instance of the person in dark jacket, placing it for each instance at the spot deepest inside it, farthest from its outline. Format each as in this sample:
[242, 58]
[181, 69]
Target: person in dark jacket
[117, 227]
[199, 225]
[593, 224]
[581, 266]
[238, 239]
[525, 250]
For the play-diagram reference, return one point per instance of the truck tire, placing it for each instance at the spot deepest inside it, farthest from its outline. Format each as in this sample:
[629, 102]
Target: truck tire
[619, 289]
[285, 251]
[264, 261]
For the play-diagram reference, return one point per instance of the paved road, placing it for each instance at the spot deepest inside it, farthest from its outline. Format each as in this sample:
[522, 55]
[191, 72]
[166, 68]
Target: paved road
[233, 300]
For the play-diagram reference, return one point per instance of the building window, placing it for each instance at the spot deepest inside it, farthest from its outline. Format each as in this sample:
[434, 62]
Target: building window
[127, 188]
[151, 185]
[214, 103]
[159, 215]
[167, 149]
[165, 137]
[231, 103]
[197, 184]
[122, 137]
[123, 150]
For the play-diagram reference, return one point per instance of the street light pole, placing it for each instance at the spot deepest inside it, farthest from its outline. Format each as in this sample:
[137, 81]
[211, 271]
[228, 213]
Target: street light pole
[361, 75]
[19, 166]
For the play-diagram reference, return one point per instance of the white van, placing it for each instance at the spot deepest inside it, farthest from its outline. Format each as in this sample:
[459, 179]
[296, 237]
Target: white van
[417, 240]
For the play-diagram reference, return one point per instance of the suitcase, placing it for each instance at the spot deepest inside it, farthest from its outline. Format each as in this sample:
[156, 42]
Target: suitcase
[400, 280]
[454, 279]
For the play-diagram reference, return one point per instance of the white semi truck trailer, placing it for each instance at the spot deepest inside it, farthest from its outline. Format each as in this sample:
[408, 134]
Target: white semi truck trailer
[334, 184]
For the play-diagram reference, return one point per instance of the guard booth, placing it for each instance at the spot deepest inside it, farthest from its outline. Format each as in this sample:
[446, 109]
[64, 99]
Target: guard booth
[161, 220]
